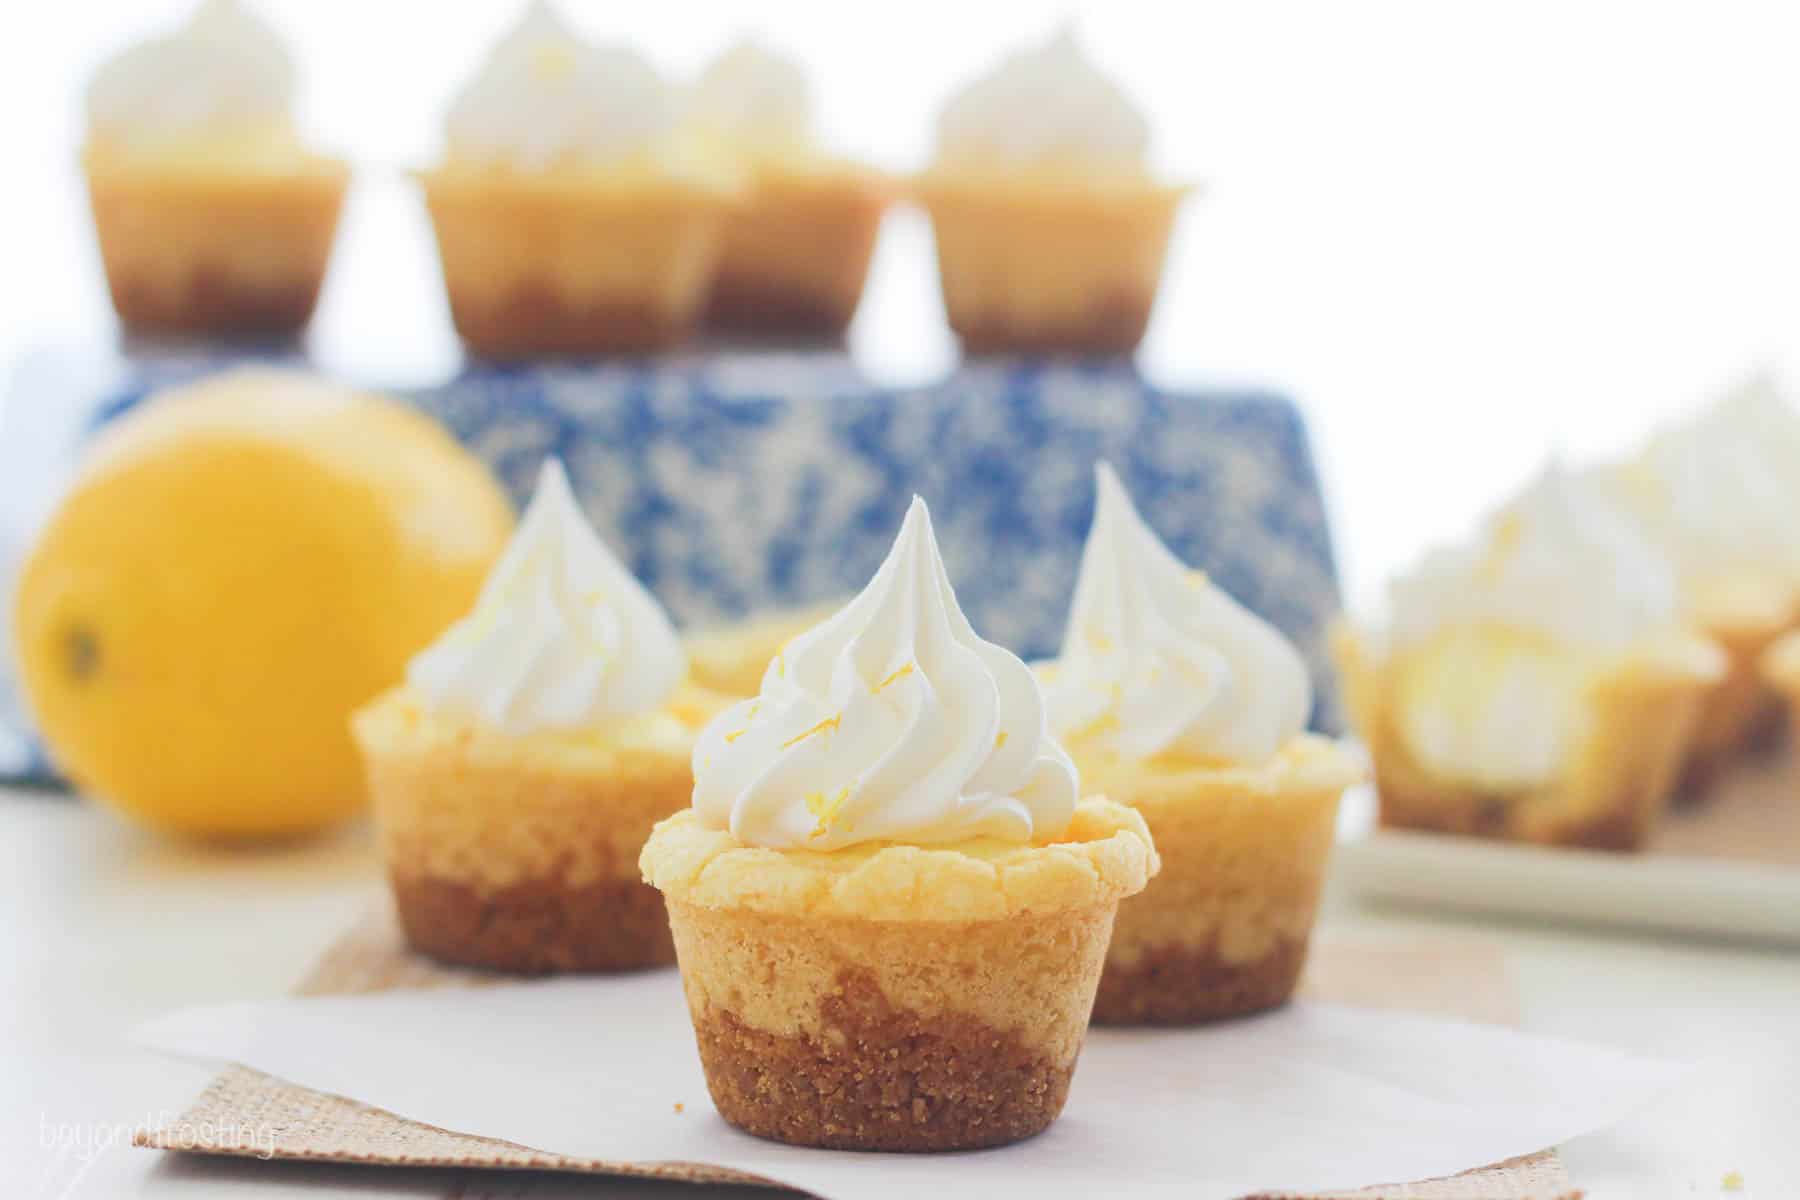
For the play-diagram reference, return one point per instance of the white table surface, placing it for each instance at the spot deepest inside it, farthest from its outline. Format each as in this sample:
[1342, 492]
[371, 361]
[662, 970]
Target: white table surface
[108, 925]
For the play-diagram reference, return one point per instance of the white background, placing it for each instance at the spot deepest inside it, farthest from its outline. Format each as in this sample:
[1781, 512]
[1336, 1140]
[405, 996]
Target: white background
[1466, 234]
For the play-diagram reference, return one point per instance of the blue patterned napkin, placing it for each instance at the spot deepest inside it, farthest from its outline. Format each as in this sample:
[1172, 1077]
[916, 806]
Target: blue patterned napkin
[733, 484]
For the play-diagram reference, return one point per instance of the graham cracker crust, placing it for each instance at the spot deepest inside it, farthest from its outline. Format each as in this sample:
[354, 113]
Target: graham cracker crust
[1114, 324]
[215, 302]
[742, 303]
[533, 319]
[882, 1079]
[1624, 825]
[1759, 732]
[536, 926]
[1186, 985]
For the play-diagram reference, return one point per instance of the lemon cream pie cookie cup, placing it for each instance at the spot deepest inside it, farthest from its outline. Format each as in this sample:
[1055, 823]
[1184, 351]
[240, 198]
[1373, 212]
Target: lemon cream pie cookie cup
[1717, 494]
[570, 219]
[517, 772]
[1177, 701]
[1051, 230]
[1535, 684]
[797, 249]
[213, 215]
[889, 908]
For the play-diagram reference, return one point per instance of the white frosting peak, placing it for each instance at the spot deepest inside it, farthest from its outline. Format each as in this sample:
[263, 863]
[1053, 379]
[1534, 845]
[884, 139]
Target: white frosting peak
[224, 72]
[1044, 106]
[1158, 659]
[1561, 559]
[754, 100]
[890, 721]
[561, 636]
[547, 95]
[1720, 492]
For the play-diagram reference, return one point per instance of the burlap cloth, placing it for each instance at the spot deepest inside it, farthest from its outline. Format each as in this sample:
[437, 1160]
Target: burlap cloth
[299, 1124]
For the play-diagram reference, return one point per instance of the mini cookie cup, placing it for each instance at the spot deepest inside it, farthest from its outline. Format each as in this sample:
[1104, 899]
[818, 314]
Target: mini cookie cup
[796, 253]
[1224, 928]
[575, 262]
[1050, 265]
[889, 997]
[219, 252]
[1644, 707]
[519, 853]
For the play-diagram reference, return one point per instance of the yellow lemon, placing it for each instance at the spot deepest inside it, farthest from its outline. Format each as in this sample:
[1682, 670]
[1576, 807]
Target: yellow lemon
[238, 565]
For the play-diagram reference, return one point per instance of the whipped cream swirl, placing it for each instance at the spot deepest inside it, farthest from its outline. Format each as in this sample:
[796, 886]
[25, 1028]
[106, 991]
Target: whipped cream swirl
[1044, 106]
[1718, 494]
[890, 721]
[223, 73]
[1561, 559]
[561, 636]
[547, 96]
[754, 101]
[1156, 659]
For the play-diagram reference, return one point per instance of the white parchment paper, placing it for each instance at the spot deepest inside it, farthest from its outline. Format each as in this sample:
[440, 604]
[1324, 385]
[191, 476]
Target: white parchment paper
[1311, 1097]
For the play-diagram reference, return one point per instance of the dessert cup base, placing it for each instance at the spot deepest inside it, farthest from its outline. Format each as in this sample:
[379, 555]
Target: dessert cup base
[213, 302]
[536, 926]
[1185, 985]
[1114, 325]
[856, 1034]
[883, 1078]
[529, 321]
[745, 304]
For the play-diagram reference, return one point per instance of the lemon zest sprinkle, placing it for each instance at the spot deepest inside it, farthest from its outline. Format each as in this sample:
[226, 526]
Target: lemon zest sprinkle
[829, 723]
[735, 734]
[1105, 723]
[552, 63]
[898, 675]
[825, 810]
[1000, 739]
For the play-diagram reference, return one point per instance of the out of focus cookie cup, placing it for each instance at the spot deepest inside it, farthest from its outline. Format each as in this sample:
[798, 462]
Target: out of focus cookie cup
[576, 262]
[797, 250]
[1743, 711]
[199, 245]
[1043, 262]
[1643, 707]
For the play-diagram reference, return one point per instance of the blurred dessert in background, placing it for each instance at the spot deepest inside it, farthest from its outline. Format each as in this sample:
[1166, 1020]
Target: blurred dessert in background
[797, 250]
[731, 658]
[1174, 699]
[518, 770]
[571, 217]
[1780, 670]
[237, 566]
[889, 908]
[1719, 494]
[213, 215]
[1536, 682]
[1051, 230]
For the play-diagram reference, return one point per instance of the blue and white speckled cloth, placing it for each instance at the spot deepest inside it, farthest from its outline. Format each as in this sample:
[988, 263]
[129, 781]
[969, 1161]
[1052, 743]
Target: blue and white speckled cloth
[733, 484]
